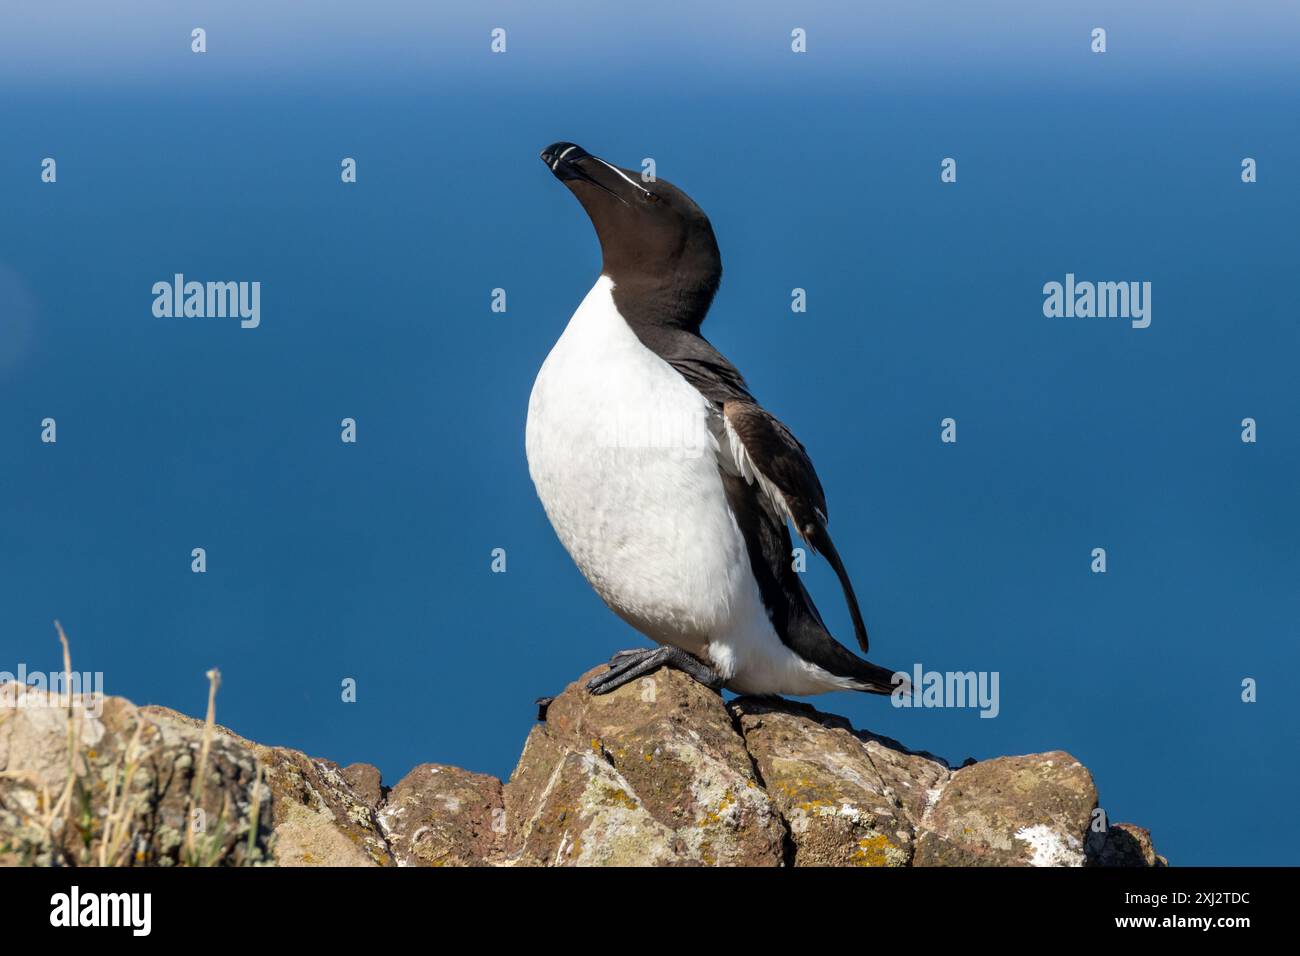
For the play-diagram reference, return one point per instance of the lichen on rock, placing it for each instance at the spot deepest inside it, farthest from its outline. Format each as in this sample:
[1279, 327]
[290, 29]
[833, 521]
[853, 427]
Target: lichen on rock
[661, 772]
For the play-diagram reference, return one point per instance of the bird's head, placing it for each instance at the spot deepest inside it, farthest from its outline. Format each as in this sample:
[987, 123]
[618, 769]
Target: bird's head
[649, 232]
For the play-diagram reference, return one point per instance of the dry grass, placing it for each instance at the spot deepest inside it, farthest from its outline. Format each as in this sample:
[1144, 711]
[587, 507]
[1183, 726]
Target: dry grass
[110, 843]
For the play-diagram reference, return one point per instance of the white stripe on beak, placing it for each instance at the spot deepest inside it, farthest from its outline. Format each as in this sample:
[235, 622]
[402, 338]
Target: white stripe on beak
[622, 174]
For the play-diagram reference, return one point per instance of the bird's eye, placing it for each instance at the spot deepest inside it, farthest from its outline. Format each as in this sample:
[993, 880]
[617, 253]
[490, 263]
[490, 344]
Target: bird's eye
[649, 196]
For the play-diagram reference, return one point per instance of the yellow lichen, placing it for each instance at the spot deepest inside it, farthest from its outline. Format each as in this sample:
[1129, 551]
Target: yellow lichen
[715, 816]
[615, 795]
[872, 851]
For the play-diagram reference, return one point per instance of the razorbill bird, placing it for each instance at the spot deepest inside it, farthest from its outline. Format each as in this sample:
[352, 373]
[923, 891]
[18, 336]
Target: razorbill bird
[666, 481]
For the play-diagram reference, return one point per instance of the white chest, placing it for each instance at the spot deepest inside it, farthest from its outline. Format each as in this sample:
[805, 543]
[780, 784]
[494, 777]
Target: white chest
[623, 454]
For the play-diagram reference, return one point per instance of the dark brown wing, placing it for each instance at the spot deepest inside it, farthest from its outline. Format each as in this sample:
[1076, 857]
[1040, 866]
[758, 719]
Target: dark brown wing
[767, 454]
[762, 450]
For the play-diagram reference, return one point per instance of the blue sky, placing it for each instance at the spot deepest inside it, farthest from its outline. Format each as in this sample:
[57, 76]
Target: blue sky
[371, 561]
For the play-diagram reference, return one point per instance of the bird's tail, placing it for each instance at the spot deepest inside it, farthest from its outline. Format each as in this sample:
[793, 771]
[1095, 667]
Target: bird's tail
[806, 635]
[873, 679]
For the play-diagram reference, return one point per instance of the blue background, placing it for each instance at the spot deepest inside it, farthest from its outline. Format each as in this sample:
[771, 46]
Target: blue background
[821, 171]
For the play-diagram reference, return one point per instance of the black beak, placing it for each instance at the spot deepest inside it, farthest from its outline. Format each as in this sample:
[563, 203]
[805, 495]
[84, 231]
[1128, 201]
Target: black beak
[564, 161]
[561, 157]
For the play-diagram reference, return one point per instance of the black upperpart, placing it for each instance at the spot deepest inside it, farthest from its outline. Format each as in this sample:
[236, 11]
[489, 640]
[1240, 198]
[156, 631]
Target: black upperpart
[657, 245]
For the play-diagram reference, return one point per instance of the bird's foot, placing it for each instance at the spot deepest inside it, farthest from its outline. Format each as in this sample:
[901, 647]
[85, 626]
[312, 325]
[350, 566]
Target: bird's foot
[627, 666]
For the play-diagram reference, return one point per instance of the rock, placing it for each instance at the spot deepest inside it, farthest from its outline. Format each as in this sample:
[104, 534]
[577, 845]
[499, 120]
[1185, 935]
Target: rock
[132, 794]
[1124, 844]
[366, 783]
[651, 774]
[318, 818]
[849, 799]
[659, 772]
[1010, 811]
[444, 816]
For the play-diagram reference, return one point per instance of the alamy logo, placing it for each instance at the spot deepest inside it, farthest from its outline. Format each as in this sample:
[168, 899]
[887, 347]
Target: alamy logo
[103, 909]
[924, 688]
[1103, 300]
[209, 300]
[54, 690]
[680, 436]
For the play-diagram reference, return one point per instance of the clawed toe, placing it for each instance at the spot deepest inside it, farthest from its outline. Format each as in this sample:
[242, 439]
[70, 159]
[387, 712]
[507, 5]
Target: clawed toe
[621, 666]
[622, 656]
[627, 666]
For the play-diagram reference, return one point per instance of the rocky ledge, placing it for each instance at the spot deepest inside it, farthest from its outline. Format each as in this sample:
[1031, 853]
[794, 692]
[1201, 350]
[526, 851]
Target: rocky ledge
[660, 772]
